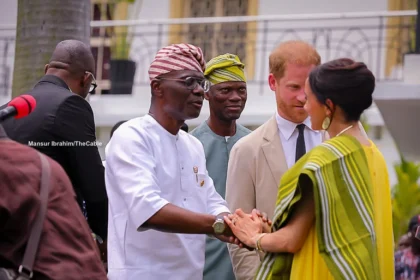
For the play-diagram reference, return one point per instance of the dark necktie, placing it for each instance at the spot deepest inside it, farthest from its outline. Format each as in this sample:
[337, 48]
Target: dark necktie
[300, 143]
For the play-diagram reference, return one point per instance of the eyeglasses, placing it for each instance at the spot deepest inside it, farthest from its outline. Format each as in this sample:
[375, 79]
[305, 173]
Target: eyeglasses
[93, 84]
[191, 82]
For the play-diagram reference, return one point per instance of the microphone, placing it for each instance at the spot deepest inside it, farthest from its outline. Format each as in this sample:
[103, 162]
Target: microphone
[18, 107]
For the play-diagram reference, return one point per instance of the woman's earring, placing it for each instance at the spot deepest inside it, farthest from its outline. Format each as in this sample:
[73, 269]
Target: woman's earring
[326, 123]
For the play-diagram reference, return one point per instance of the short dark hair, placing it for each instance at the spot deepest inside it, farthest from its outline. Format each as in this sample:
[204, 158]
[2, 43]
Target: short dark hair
[414, 223]
[184, 127]
[117, 125]
[74, 56]
[348, 84]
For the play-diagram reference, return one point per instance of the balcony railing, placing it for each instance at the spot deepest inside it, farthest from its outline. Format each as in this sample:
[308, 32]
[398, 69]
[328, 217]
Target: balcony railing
[380, 39]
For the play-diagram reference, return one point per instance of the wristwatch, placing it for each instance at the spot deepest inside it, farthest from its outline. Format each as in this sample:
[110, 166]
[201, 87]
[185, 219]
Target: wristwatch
[219, 226]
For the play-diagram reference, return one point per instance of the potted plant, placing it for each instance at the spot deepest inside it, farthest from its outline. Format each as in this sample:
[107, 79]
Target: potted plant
[364, 122]
[405, 196]
[122, 67]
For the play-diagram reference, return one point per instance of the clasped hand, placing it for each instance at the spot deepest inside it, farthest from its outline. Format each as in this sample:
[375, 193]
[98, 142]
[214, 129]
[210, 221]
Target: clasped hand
[246, 227]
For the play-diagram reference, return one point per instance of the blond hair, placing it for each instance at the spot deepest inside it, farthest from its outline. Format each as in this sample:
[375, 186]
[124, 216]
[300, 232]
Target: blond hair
[295, 52]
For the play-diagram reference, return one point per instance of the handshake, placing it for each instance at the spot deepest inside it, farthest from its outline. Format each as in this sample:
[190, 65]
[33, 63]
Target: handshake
[244, 229]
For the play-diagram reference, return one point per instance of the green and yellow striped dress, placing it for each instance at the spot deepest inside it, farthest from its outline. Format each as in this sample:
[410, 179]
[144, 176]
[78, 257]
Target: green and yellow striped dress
[352, 236]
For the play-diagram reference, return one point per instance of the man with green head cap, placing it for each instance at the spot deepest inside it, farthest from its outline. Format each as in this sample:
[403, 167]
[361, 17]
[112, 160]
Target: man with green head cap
[227, 97]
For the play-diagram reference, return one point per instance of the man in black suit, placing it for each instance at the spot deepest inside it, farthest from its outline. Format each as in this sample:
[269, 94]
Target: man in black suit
[62, 126]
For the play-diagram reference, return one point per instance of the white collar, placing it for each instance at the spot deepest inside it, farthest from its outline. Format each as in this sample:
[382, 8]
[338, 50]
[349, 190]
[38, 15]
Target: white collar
[287, 127]
[161, 128]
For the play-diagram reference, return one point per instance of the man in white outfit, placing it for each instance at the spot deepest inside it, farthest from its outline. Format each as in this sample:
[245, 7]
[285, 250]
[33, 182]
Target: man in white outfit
[162, 202]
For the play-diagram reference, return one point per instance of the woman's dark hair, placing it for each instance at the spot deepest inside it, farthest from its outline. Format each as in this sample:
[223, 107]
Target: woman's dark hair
[348, 84]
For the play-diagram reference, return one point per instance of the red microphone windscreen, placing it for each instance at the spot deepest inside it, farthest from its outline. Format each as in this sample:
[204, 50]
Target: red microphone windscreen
[24, 105]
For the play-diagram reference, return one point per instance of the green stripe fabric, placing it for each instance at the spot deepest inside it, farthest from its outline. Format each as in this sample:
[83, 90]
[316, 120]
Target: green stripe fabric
[343, 197]
[225, 68]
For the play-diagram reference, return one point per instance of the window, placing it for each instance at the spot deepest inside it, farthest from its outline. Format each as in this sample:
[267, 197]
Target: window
[100, 45]
[217, 38]
[400, 34]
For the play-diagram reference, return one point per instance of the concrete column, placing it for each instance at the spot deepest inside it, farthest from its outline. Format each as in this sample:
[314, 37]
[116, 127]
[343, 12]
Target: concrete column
[411, 69]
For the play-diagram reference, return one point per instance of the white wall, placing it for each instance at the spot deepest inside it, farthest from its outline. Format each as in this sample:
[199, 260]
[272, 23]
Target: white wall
[8, 11]
[274, 7]
[8, 15]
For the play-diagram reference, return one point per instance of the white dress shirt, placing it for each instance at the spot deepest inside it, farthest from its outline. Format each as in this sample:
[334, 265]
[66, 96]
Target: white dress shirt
[147, 168]
[288, 133]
